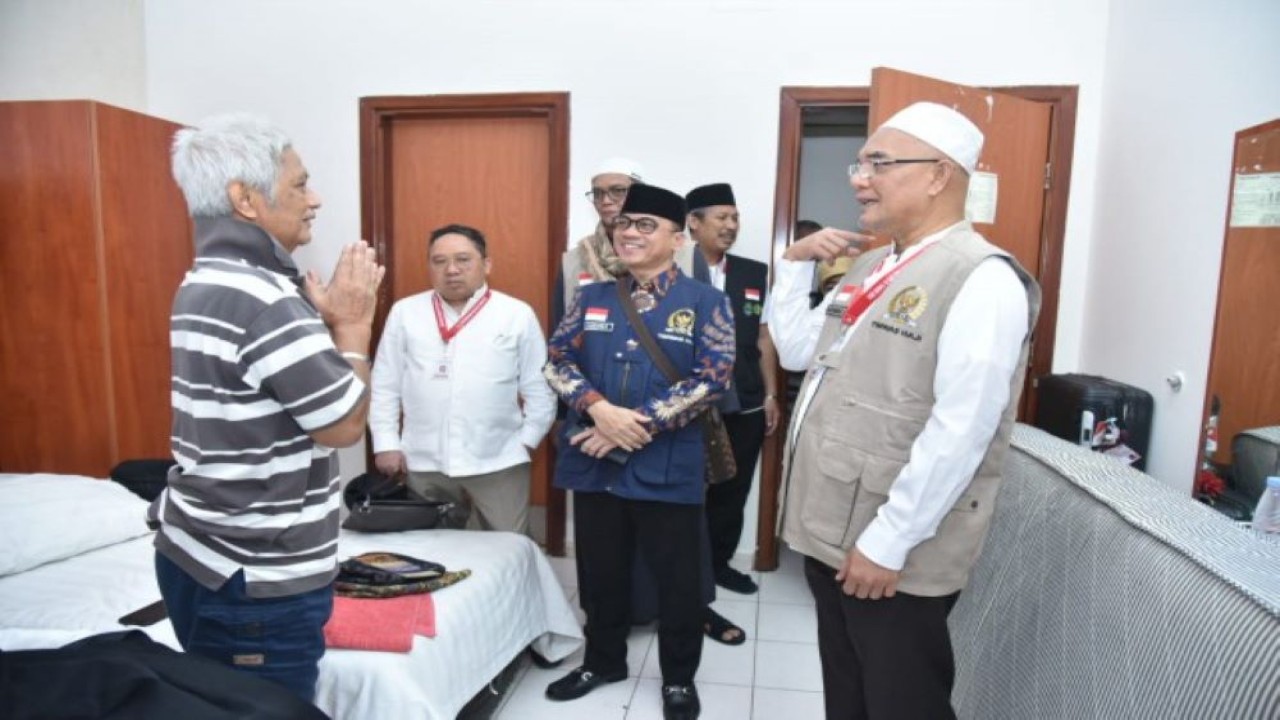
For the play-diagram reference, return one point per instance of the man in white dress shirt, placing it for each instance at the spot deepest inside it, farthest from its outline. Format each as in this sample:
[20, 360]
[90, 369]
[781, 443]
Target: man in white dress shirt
[458, 360]
[915, 363]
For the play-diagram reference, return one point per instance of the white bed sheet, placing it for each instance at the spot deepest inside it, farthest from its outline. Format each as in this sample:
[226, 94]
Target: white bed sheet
[60, 602]
[511, 600]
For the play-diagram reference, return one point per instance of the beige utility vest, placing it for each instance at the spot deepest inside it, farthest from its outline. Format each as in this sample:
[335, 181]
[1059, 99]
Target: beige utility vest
[875, 396]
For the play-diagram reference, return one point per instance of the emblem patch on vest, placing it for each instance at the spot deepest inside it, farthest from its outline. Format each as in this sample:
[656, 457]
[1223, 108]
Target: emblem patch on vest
[907, 306]
[679, 326]
[905, 309]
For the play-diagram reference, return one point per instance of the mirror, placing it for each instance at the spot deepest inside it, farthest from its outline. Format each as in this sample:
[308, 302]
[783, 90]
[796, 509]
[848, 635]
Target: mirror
[1242, 403]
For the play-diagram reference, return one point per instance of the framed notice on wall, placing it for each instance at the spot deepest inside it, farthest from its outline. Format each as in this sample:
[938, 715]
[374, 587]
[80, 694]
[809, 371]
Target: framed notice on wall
[1255, 200]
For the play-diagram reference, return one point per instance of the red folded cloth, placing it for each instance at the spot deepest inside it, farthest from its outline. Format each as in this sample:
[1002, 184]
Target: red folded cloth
[387, 624]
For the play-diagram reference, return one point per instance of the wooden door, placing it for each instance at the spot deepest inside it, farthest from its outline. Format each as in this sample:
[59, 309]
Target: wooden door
[487, 173]
[1244, 367]
[1015, 150]
[498, 163]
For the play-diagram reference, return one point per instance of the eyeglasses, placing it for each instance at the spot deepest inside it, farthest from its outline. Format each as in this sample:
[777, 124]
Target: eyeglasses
[644, 225]
[615, 193]
[874, 166]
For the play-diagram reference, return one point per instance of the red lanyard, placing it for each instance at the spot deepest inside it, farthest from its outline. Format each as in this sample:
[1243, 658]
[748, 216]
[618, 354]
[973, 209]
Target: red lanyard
[447, 333]
[862, 299]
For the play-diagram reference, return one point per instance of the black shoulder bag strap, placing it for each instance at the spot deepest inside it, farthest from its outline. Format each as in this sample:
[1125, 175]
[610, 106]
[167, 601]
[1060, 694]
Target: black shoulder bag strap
[642, 332]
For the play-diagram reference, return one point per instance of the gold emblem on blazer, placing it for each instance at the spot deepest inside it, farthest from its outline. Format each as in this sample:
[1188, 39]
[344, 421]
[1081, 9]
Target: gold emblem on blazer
[680, 322]
[908, 305]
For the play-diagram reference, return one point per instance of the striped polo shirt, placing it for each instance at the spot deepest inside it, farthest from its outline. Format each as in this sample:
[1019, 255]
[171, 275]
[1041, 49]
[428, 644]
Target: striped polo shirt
[254, 371]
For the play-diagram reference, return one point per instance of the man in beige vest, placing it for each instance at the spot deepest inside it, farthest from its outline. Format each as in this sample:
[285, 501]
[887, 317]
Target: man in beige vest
[915, 362]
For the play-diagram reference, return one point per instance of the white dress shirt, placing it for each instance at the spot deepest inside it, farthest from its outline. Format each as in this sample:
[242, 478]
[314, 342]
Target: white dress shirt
[978, 351]
[716, 273]
[466, 420]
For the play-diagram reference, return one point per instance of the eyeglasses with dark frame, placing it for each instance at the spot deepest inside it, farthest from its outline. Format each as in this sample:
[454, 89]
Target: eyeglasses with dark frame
[874, 166]
[616, 193]
[644, 225]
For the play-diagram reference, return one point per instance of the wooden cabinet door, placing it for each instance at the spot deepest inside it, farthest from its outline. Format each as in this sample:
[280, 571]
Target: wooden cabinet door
[54, 383]
[96, 241]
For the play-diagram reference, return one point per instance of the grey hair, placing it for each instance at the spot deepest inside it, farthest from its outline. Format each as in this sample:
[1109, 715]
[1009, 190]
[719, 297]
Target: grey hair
[222, 150]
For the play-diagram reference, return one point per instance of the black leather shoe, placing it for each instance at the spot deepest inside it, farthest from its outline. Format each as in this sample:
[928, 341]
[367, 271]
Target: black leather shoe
[680, 702]
[579, 682]
[738, 582]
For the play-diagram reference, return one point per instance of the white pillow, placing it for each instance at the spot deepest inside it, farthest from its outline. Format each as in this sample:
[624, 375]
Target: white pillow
[45, 517]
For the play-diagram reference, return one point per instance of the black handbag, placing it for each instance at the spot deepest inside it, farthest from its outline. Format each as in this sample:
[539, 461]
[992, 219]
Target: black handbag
[721, 465]
[378, 503]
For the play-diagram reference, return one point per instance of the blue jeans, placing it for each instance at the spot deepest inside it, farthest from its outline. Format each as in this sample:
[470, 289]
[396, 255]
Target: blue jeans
[279, 639]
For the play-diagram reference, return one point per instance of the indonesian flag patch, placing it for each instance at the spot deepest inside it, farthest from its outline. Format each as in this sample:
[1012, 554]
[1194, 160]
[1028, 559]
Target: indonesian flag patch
[751, 294]
[596, 314]
[585, 279]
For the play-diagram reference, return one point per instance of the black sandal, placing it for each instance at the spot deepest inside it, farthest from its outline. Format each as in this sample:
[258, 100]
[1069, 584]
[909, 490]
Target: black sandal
[719, 628]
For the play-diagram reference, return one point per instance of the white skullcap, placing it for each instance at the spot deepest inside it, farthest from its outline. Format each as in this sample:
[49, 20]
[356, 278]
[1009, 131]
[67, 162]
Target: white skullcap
[619, 166]
[944, 128]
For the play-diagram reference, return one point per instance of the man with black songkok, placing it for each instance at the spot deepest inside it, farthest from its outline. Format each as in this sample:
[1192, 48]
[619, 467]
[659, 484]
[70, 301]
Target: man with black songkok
[631, 450]
[713, 225]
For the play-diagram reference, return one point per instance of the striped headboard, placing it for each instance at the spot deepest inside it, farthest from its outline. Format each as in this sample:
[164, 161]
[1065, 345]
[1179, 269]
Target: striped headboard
[1102, 593]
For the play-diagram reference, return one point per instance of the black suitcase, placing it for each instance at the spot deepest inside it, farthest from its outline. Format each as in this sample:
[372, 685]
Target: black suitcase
[1078, 407]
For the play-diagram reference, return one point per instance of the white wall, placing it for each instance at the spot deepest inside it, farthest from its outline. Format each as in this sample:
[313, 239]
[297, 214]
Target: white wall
[73, 49]
[1182, 78]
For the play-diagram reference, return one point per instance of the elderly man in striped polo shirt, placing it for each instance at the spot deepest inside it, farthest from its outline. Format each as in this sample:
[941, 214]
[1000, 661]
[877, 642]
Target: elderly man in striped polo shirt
[270, 370]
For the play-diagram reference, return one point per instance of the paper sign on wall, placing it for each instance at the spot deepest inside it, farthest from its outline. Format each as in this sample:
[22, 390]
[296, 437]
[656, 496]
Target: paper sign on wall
[1256, 201]
[980, 205]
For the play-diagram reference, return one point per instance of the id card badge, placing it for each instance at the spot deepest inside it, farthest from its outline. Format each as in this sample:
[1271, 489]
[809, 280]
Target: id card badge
[441, 371]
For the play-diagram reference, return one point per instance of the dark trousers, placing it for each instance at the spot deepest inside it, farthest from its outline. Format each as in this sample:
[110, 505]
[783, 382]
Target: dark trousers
[887, 659]
[605, 529]
[279, 639]
[644, 591]
[726, 500]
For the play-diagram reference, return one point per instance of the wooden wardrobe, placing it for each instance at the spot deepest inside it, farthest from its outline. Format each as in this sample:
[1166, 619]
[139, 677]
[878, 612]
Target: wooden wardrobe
[95, 241]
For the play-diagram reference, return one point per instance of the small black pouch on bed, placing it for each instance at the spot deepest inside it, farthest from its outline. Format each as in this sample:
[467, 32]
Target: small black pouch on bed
[144, 478]
[387, 568]
[378, 503]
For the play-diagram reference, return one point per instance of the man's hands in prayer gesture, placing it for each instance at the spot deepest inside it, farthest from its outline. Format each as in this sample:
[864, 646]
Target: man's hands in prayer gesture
[348, 302]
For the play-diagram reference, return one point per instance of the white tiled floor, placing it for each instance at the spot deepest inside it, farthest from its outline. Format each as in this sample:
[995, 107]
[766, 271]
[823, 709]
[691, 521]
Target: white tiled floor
[774, 674]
